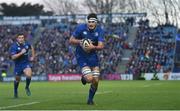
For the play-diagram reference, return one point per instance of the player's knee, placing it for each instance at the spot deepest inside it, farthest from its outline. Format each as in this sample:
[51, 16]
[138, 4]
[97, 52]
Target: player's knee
[89, 78]
[96, 74]
[17, 78]
[28, 75]
[96, 80]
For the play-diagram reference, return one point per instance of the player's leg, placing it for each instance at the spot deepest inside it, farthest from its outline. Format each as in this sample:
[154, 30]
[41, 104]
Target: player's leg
[16, 84]
[85, 69]
[28, 73]
[94, 85]
[87, 75]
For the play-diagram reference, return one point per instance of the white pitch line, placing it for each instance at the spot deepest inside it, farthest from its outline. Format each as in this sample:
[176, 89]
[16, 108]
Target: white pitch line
[101, 92]
[104, 92]
[18, 105]
[147, 85]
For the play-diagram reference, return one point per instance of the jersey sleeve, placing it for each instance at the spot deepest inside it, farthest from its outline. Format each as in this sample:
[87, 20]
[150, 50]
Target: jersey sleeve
[77, 32]
[13, 50]
[29, 45]
[101, 36]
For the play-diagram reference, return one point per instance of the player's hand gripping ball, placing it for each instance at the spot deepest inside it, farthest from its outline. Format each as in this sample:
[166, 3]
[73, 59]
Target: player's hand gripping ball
[85, 43]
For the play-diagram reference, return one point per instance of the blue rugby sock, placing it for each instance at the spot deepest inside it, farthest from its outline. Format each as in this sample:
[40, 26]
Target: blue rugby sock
[16, 84]
[92, 92]
[28, 81]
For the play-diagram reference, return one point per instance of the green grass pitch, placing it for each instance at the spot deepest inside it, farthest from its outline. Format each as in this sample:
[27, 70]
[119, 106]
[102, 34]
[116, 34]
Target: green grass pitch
[111, 95]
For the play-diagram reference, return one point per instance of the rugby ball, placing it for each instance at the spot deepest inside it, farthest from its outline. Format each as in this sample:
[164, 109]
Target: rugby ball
[86, 43]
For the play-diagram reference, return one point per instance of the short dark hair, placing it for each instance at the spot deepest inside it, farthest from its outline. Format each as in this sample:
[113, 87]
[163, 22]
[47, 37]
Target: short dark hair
[92, 15]
[19, 34]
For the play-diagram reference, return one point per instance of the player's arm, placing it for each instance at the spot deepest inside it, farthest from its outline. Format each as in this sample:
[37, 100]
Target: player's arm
[100, 43]
[74, 41]
[15, 56]
[32, 53]
[98, 47]
[75, 38]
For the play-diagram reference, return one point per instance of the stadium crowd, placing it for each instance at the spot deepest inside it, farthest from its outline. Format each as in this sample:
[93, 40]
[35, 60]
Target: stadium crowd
[54, 54]
[154, 49]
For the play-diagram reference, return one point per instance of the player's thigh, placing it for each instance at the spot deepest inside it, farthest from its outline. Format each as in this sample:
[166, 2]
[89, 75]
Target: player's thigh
[93, 61]
[18, 72]
[96, 72]
[28, 71]
[87, 73]
[81, 60]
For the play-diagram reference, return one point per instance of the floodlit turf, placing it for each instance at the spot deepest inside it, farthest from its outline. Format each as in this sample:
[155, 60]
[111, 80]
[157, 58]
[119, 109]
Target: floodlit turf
[112, 95]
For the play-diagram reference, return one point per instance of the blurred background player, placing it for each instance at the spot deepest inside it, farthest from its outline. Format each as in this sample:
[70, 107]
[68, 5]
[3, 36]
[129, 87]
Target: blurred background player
[20, 54]
[87, 59]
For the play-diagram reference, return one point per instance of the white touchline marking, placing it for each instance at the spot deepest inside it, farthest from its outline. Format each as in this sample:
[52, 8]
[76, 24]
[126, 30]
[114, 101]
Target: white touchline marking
[99, 92]
[104, 92]
[147, 85]
[158, 84]
[19, 105]
[152, 85]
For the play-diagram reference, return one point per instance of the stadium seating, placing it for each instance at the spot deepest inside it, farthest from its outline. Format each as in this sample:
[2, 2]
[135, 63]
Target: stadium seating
[153, 48]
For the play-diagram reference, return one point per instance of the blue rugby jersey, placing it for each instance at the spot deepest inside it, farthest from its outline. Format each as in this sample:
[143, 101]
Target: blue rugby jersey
[82, 32]
[16, 48]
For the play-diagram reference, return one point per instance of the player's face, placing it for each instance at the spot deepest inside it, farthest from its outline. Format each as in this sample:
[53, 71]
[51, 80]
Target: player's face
[92, 25]
[21, 39]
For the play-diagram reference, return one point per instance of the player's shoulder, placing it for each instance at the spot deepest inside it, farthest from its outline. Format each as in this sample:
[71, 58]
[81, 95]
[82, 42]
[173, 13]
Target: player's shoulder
[27, 43]
[99, 28]
[13, 47]
[14, 44]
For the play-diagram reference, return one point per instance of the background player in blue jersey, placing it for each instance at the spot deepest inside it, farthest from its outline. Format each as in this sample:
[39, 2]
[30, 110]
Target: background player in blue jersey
[19, 51]
[87, 59]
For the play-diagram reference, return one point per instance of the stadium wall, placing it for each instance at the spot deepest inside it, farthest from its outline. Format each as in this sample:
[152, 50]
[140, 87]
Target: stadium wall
[69, 77]
[23, 78]
[63, 77]
[75, 77]
[163, 76]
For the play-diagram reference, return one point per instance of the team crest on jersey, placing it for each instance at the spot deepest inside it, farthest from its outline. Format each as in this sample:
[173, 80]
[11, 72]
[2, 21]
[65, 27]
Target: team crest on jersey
[26, 47]
[19, 48]
[96, 34]
[85, 33]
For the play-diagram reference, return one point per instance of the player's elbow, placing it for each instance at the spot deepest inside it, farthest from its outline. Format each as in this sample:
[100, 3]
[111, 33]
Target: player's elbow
[13, 57]
[71, 40]
[100, 47]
